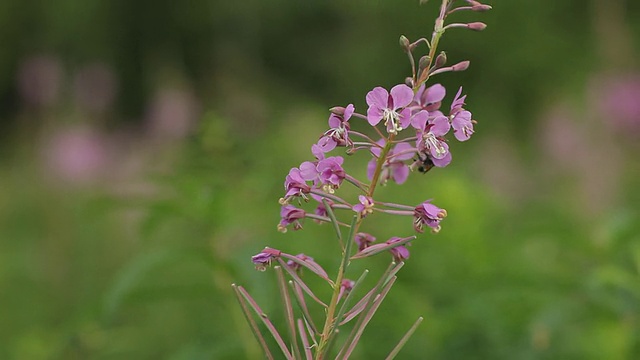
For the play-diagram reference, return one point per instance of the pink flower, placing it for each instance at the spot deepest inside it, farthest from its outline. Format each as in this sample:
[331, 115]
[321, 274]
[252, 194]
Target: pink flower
[393, 167]
[431, 137]
[363, 240]
[429, 215]
[365, 207]
[290, 215]
[400, 253]
[462, 125]
[430, 98]
[295, 185]
[338, 134]
[390, 107]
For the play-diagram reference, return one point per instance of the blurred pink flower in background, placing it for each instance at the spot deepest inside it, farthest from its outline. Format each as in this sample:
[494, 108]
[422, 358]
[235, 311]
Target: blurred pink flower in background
[78, 155]
[94, 87]
[617, 100]
[39, 80]
[172, 114]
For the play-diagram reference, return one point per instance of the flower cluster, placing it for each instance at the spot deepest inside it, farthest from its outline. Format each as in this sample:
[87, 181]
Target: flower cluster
[410, 130]
[400, 111]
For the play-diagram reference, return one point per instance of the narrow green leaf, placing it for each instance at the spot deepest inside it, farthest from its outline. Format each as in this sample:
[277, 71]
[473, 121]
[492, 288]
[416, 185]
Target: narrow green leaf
[334, 221]
[404, 339]
[359, 328]
[266, 321]
[347, 300]
[302, 304]
[299, 281]
[305, 340]
[252, 323]
[288, 311]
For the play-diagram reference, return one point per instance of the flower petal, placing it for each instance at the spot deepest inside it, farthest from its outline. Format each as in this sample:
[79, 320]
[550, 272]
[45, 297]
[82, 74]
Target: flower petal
[435, 93]
[400, 172]
[378, 97]
[403, 147]
[402, 96]
[440, 126]
[419, 120]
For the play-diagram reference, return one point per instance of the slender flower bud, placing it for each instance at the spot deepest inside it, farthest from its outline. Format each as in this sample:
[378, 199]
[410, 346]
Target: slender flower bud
[405, 44]
[476, 26]
[461, 66]
[424, 62]
[441, 59]
[337, 110]
[481, 7]
[408, 81]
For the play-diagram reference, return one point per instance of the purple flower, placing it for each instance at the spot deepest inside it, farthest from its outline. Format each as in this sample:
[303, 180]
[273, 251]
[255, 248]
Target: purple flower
[428, 214]
[365, 207]
[290, 215]
[295, 185]
[400, 253]
[264, 258]
[394, 167]
[294, 265]
[390, 107]
[328, 172]
[363, 240]
[430, 137]
[458, 102]
[338, 134]
[429, 98]
[345, 287]
[321, 210]
[462, 125]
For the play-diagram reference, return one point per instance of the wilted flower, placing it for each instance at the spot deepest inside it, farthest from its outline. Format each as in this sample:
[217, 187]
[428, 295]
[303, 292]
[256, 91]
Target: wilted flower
[365, 207]
[428, 214]
[295, 184]
[294, 265]
[345, 287]
[264, 258]
[400, 253]
[363, 240]
[290, 215]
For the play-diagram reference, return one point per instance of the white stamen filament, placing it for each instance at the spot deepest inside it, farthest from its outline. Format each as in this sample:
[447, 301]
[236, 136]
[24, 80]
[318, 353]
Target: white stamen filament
[431, 142]
[393, 117]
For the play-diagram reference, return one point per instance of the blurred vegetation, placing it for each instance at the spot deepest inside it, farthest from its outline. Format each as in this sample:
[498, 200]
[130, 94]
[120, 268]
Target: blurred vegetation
[144, 147]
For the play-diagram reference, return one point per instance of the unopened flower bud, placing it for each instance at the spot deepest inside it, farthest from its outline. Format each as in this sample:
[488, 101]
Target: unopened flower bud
[337, 110]
[481, 7]
[441, 59]
[424, 62]
[476, 26]
[461, 66]
[408, 81]
[404, 43]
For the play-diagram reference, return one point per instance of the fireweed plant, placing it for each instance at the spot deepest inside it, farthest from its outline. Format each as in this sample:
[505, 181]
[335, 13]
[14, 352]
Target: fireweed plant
[412, 129]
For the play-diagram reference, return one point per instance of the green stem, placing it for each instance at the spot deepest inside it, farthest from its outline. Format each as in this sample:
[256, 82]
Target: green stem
[331, 321]
[438, 30]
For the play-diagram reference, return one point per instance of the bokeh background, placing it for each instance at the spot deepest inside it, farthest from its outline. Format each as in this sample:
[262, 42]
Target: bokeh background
[144, 145]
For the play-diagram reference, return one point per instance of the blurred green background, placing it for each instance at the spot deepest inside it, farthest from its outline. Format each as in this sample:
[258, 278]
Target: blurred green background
[144, 146]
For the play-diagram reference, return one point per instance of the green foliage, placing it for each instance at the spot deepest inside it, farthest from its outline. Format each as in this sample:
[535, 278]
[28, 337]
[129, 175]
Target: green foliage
[526, 269]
